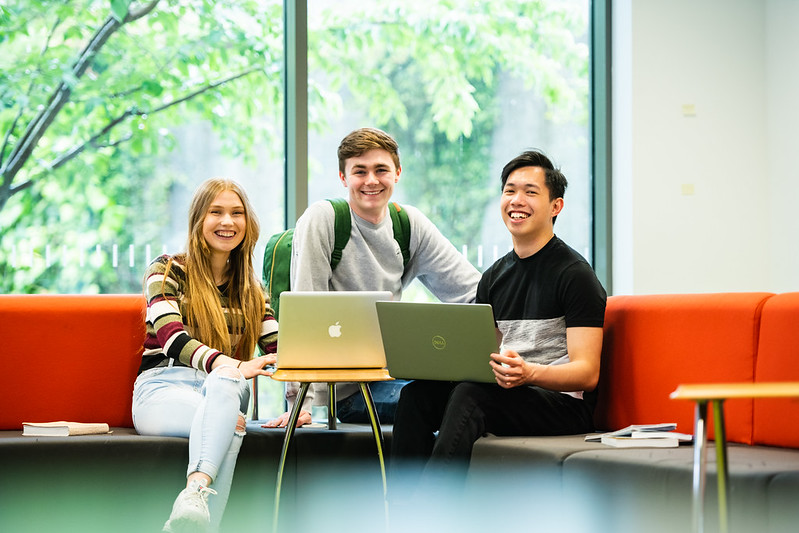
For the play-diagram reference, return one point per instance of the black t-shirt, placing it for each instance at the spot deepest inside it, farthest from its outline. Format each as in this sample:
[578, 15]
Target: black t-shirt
[536, 298]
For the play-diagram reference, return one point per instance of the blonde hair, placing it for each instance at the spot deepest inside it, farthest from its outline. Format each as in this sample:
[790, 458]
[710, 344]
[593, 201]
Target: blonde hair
[202, 304]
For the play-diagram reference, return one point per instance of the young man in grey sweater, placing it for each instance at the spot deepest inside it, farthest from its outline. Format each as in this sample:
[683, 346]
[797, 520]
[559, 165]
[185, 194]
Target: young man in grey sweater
[369, 168]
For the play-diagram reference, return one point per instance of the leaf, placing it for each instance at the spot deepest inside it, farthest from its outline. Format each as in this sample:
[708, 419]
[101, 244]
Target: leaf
[119, 9]
[152, 87]
[73, 32]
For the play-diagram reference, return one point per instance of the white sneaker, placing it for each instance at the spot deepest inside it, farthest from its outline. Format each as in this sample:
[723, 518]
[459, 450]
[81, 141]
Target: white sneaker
[190, 511]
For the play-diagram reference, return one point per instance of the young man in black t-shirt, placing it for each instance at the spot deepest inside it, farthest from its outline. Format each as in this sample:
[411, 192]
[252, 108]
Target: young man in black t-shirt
[549, 308]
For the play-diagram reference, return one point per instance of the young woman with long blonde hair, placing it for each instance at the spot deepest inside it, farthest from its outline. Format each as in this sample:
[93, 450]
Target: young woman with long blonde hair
[206, 314]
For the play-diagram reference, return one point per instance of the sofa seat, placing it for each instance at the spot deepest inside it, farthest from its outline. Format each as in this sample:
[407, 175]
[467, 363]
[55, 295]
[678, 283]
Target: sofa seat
[125, 482]
[650, 486]
[653, 343]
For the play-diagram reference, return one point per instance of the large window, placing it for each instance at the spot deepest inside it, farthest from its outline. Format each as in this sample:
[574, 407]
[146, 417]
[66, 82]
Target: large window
[111, 114]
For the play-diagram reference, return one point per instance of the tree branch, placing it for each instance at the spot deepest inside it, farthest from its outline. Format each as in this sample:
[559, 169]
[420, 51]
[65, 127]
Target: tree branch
[134, 111]
[116, 143]
[13, 126]
[208, 87]
[60, 96]
[7, 136]
[141, 12]
[92, 141]
[46, 45]
[20, 187]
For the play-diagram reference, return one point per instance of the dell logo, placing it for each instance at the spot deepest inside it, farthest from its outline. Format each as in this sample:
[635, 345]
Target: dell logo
[439, 342]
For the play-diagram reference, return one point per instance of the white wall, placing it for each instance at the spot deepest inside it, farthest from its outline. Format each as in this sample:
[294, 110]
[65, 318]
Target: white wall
[705, 116]
[782, 82]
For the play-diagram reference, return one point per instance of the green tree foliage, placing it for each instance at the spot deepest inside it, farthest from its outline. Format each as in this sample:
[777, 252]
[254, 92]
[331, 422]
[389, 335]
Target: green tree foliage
[429, 72]
[90, 91]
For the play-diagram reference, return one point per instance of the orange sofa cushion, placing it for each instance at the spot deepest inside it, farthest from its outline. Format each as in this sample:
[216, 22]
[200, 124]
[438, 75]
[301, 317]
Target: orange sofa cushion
[69, 357]
[778, 360]
[655, 342]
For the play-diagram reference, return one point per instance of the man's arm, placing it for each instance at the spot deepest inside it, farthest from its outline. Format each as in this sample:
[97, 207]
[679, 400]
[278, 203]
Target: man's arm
[437, 263]
[581, 373]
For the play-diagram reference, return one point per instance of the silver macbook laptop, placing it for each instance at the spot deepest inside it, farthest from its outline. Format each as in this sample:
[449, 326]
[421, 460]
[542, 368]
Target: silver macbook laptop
[438, 341]
[321, 330]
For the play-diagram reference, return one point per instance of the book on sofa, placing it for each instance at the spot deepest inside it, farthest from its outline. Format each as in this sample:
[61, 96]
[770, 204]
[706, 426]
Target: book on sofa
[63, 429]
[629, 430]
[642, 436]
[648, 442]
[682, 437]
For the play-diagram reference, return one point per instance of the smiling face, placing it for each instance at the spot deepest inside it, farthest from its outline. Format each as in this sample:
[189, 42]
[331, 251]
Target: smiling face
[370, 179]
[527, 209]
[225, 223]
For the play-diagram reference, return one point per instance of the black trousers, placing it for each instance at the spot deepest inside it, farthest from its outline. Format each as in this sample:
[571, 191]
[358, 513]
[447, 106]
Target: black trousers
[437, 424]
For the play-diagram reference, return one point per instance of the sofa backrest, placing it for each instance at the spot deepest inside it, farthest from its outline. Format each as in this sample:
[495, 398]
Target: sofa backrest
[69, 357]
[655, 342]
[778, 360]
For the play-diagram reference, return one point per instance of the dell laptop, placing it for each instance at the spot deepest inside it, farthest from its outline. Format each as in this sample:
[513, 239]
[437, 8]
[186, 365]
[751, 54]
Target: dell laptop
[438, 341]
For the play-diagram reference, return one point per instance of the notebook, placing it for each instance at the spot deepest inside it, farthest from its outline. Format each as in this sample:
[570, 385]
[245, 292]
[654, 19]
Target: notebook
[320, 330]
[438, 341]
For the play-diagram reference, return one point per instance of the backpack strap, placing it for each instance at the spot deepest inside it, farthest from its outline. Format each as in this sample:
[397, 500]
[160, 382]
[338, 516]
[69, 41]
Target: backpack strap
[402, 230]
[343, 225]
[341, 228]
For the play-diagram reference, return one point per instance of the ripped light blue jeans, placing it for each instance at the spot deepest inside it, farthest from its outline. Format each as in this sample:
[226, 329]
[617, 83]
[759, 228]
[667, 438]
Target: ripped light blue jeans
[184, 402]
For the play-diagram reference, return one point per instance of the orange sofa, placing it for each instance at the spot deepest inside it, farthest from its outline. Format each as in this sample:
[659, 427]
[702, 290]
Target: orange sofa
[69, 357]
[652, 344]
[75, 357]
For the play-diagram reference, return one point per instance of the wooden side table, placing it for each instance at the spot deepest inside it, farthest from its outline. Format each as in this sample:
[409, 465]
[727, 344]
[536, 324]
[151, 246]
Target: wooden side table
[716, 393]
[361, 376]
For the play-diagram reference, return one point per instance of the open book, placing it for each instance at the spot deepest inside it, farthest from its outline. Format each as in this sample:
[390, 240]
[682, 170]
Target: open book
[62, 429]
[642, 436]
[628, 431]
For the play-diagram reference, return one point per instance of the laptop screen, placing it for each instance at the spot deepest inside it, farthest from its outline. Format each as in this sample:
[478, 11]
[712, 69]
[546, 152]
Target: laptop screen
[330, 330]
[438, 341]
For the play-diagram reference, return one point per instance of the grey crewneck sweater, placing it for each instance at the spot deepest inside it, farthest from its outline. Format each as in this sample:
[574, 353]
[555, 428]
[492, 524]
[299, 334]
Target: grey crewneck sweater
[372, 261]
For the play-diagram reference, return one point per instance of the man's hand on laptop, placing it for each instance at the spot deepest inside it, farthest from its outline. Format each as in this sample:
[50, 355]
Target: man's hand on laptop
[509, 369]
[283, 420]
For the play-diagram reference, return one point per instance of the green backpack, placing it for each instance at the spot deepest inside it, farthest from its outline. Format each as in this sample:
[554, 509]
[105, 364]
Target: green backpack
[277, 255]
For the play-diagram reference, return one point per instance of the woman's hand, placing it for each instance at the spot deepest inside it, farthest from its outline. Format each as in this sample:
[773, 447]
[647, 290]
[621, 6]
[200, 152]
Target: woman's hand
[257, 366]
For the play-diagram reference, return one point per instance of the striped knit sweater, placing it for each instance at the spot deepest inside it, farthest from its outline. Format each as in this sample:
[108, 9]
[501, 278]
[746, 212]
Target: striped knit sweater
[168, 336]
